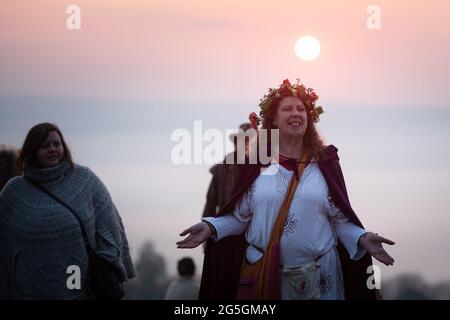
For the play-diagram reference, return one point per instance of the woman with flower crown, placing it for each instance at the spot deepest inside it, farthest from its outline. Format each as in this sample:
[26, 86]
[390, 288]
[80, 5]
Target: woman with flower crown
[300, 238]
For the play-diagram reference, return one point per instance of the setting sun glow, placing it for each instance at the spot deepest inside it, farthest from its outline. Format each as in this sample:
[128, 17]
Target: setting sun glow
[307, 48]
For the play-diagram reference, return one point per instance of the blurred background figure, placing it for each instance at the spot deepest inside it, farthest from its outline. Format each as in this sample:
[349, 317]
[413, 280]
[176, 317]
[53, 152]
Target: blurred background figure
[224, 178]
[8, 158]
[151, 280]
[223, 183]
[185, 287]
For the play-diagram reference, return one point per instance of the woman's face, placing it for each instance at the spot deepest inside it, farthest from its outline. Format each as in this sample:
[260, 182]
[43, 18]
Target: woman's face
[291, 117]
[51, 151]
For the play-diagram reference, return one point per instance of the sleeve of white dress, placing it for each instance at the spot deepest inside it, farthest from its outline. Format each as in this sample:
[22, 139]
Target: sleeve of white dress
[347, 232]
[233, 223]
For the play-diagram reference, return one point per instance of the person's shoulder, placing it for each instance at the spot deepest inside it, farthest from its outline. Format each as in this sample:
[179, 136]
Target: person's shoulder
[13, 184]
[222, 166]
[78, 168]
[215, 168]
[87, 174]
[331, 148]
[330, 152]
[16, 189]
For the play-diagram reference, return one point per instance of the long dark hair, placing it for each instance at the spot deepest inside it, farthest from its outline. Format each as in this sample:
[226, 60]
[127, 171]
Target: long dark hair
[35, 137]
[311, 139]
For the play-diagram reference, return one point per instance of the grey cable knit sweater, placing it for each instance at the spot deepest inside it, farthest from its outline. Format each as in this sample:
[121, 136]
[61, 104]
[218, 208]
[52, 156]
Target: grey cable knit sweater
[40, 239]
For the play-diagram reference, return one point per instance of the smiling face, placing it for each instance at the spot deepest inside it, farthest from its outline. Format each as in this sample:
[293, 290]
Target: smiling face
[50, 152]
[291, 118]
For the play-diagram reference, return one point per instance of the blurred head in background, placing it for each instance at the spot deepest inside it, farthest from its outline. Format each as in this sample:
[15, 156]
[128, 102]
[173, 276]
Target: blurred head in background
[8, 158]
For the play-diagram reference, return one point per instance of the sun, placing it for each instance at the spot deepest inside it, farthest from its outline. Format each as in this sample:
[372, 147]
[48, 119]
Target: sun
[307, 48]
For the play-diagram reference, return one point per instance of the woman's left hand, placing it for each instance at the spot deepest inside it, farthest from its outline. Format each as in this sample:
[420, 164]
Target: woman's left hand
[372, 242]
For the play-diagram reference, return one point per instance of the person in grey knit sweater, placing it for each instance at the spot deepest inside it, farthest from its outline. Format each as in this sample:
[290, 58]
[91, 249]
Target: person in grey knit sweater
[41, 243]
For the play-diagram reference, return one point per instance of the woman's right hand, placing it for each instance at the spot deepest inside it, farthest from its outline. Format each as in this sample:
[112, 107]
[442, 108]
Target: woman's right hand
[198, 233]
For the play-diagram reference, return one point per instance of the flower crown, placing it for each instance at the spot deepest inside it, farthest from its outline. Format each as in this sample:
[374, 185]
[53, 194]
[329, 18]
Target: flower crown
[286, 89]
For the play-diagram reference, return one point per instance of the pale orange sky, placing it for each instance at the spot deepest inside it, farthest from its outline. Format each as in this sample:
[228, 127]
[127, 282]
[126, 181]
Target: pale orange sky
[226, 50]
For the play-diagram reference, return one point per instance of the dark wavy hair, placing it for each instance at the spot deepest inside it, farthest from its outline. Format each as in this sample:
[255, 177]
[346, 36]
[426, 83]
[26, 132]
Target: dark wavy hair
[311, 140]
[34, 139]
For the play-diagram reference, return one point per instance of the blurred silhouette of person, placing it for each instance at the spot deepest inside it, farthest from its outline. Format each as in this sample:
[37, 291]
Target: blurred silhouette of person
[224, 178]
[8, 158]
[223, 183]
[185, 287]
[41, 240]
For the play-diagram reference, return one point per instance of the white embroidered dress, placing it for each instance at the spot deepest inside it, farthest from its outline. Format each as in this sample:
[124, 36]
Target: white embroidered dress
[313, 225]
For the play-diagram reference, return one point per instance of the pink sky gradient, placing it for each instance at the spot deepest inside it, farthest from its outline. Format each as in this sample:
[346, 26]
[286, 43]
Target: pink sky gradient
[226, 50]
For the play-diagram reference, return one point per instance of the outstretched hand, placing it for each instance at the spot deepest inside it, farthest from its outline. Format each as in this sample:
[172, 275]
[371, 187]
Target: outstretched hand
[372, 242]
[198, 233]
